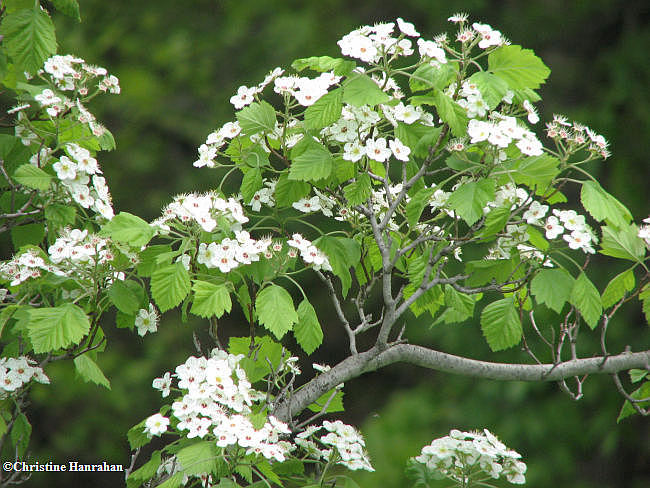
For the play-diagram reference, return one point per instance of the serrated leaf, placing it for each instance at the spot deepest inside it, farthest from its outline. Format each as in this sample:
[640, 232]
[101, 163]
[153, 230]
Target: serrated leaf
[488, 270]
[644, 296]
[25, 234]
[343, 253]
[361, 90]
[518, 67]
[312, 162]
[637, 375]
[341, 67]
[617, 287]
[335, 405]
[251, 182]
[58, 216]
[638, 394]
[536, 171]
[68, 7]
[623, 243]
[359, 190]
[32, 177]
[552, 287]
[148, 258]
[501, 325]
[586, 299]
[125, 227]
[275, 310]
[210, 299]
[417, 204]
[257, 117]
[289, 191]
[89, 371]
[536, 238]
[29, 37]
[325, 111]
[495, 222]
[53, 328]
[147, 470]
[451, 113]
[21, 432]
[427, 76]
[127, 296]
[265, 348]
[170, 285]
[470, 199]
[602, 206]
[458, 307]
[307, 330]
[198, 458]
[492, 87]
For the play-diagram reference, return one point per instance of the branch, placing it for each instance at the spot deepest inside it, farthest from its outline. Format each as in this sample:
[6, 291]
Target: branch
[375, 359]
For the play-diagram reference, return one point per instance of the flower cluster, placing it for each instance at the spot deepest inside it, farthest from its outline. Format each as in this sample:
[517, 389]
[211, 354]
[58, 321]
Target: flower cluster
[577, 136]
[216, 404]
[309, 253]
[305, 90]
[230, 253]
[460, 453]
[348, 444]
[502, 131]
[16, 372]
[75, 175]
[203, 209]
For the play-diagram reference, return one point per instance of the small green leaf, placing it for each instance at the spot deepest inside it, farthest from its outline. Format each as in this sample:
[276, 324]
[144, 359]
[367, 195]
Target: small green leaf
[536, 171]
[125, 227]
[170, 285]
[637, 375]
[68, 7]
[359, 190]
[29, 37]
[257, 117]
[335, 405]
[618, 287]
[644, 296]
[451, 113]
[210, 299]
[198, 458]
[343, 253]
[59, 216]
[417, 204]
[586, 299]
[638, 394]
[52, 328]
[518, 67]
[492, 87]
[311, 162]
[602, 206]
[623, 243]
[251, 182]
[552, 287]
[148, 470]
[289, 191]
[307, 330]
[495, 221]
[274, 307]
[32, 177]
[89, 371]
[361, 90]
[341, 67]
[470, 199]
[427, 76]
[458, 307]
[127, 296]
[500, 324]
[21, 432]
[325, 111]
[25, 234]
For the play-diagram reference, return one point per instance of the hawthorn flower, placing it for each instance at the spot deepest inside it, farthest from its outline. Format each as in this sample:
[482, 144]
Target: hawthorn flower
[163, 384]
[535, 212]
[553, 227]
[146, 320]
[432, 50]
[353, 151]
[458, 18]
[376, 149]
[65, 168]
[243, 97]
[400, 151]
[407, 28]
[156, 425]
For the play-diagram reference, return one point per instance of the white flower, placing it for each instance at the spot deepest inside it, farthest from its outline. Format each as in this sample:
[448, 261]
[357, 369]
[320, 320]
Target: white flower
[553, 227]
[156, 425]
[407, 28]
[353, 151]
[147, 320]
[65, 168]
[243, 97]
[400, 151]
[376, 149]
[535, 212]
[163, 384]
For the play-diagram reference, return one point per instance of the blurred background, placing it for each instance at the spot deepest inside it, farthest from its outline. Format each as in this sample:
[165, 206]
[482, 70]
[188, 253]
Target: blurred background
[180, 62]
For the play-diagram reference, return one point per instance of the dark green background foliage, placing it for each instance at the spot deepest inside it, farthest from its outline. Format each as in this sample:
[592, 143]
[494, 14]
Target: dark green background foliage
[179, 63]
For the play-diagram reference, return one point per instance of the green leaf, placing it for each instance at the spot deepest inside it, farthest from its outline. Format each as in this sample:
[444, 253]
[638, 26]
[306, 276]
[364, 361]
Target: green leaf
[68, 7]
[343, 253]
[307, 330]
[536, 171]
[29, 37]
[52, 328]
[251, 182]
[488, 270]
[458, 307]
[637, 375]
[174, 481]
[492, 87]
[361, 90]
[325, 111]
[623, 243]
[417, 204]
[586, 299]
[335, 405]
[518, 67]
[310, 162]
[147, 470]
[536, 238]
[426, 76]
[552, 287]
[288, 191]
[500, 324]
[89, 371]
[127, 296]
[210, 299]
[359, 190]
[341, 67]
[257, 117]
[470, 199]
[137, 437]
[148, 258]
[32, 177]
[603, 206]
[21, 432]
[265, 348]
[274, 307]
[125, 227]
[638, 394]
[644, 296]
[451, 113]
[170, 285]
[495, 221]
[617, 287]
[59, 216]
[198, 458]
[22, 235]
[267, 470]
